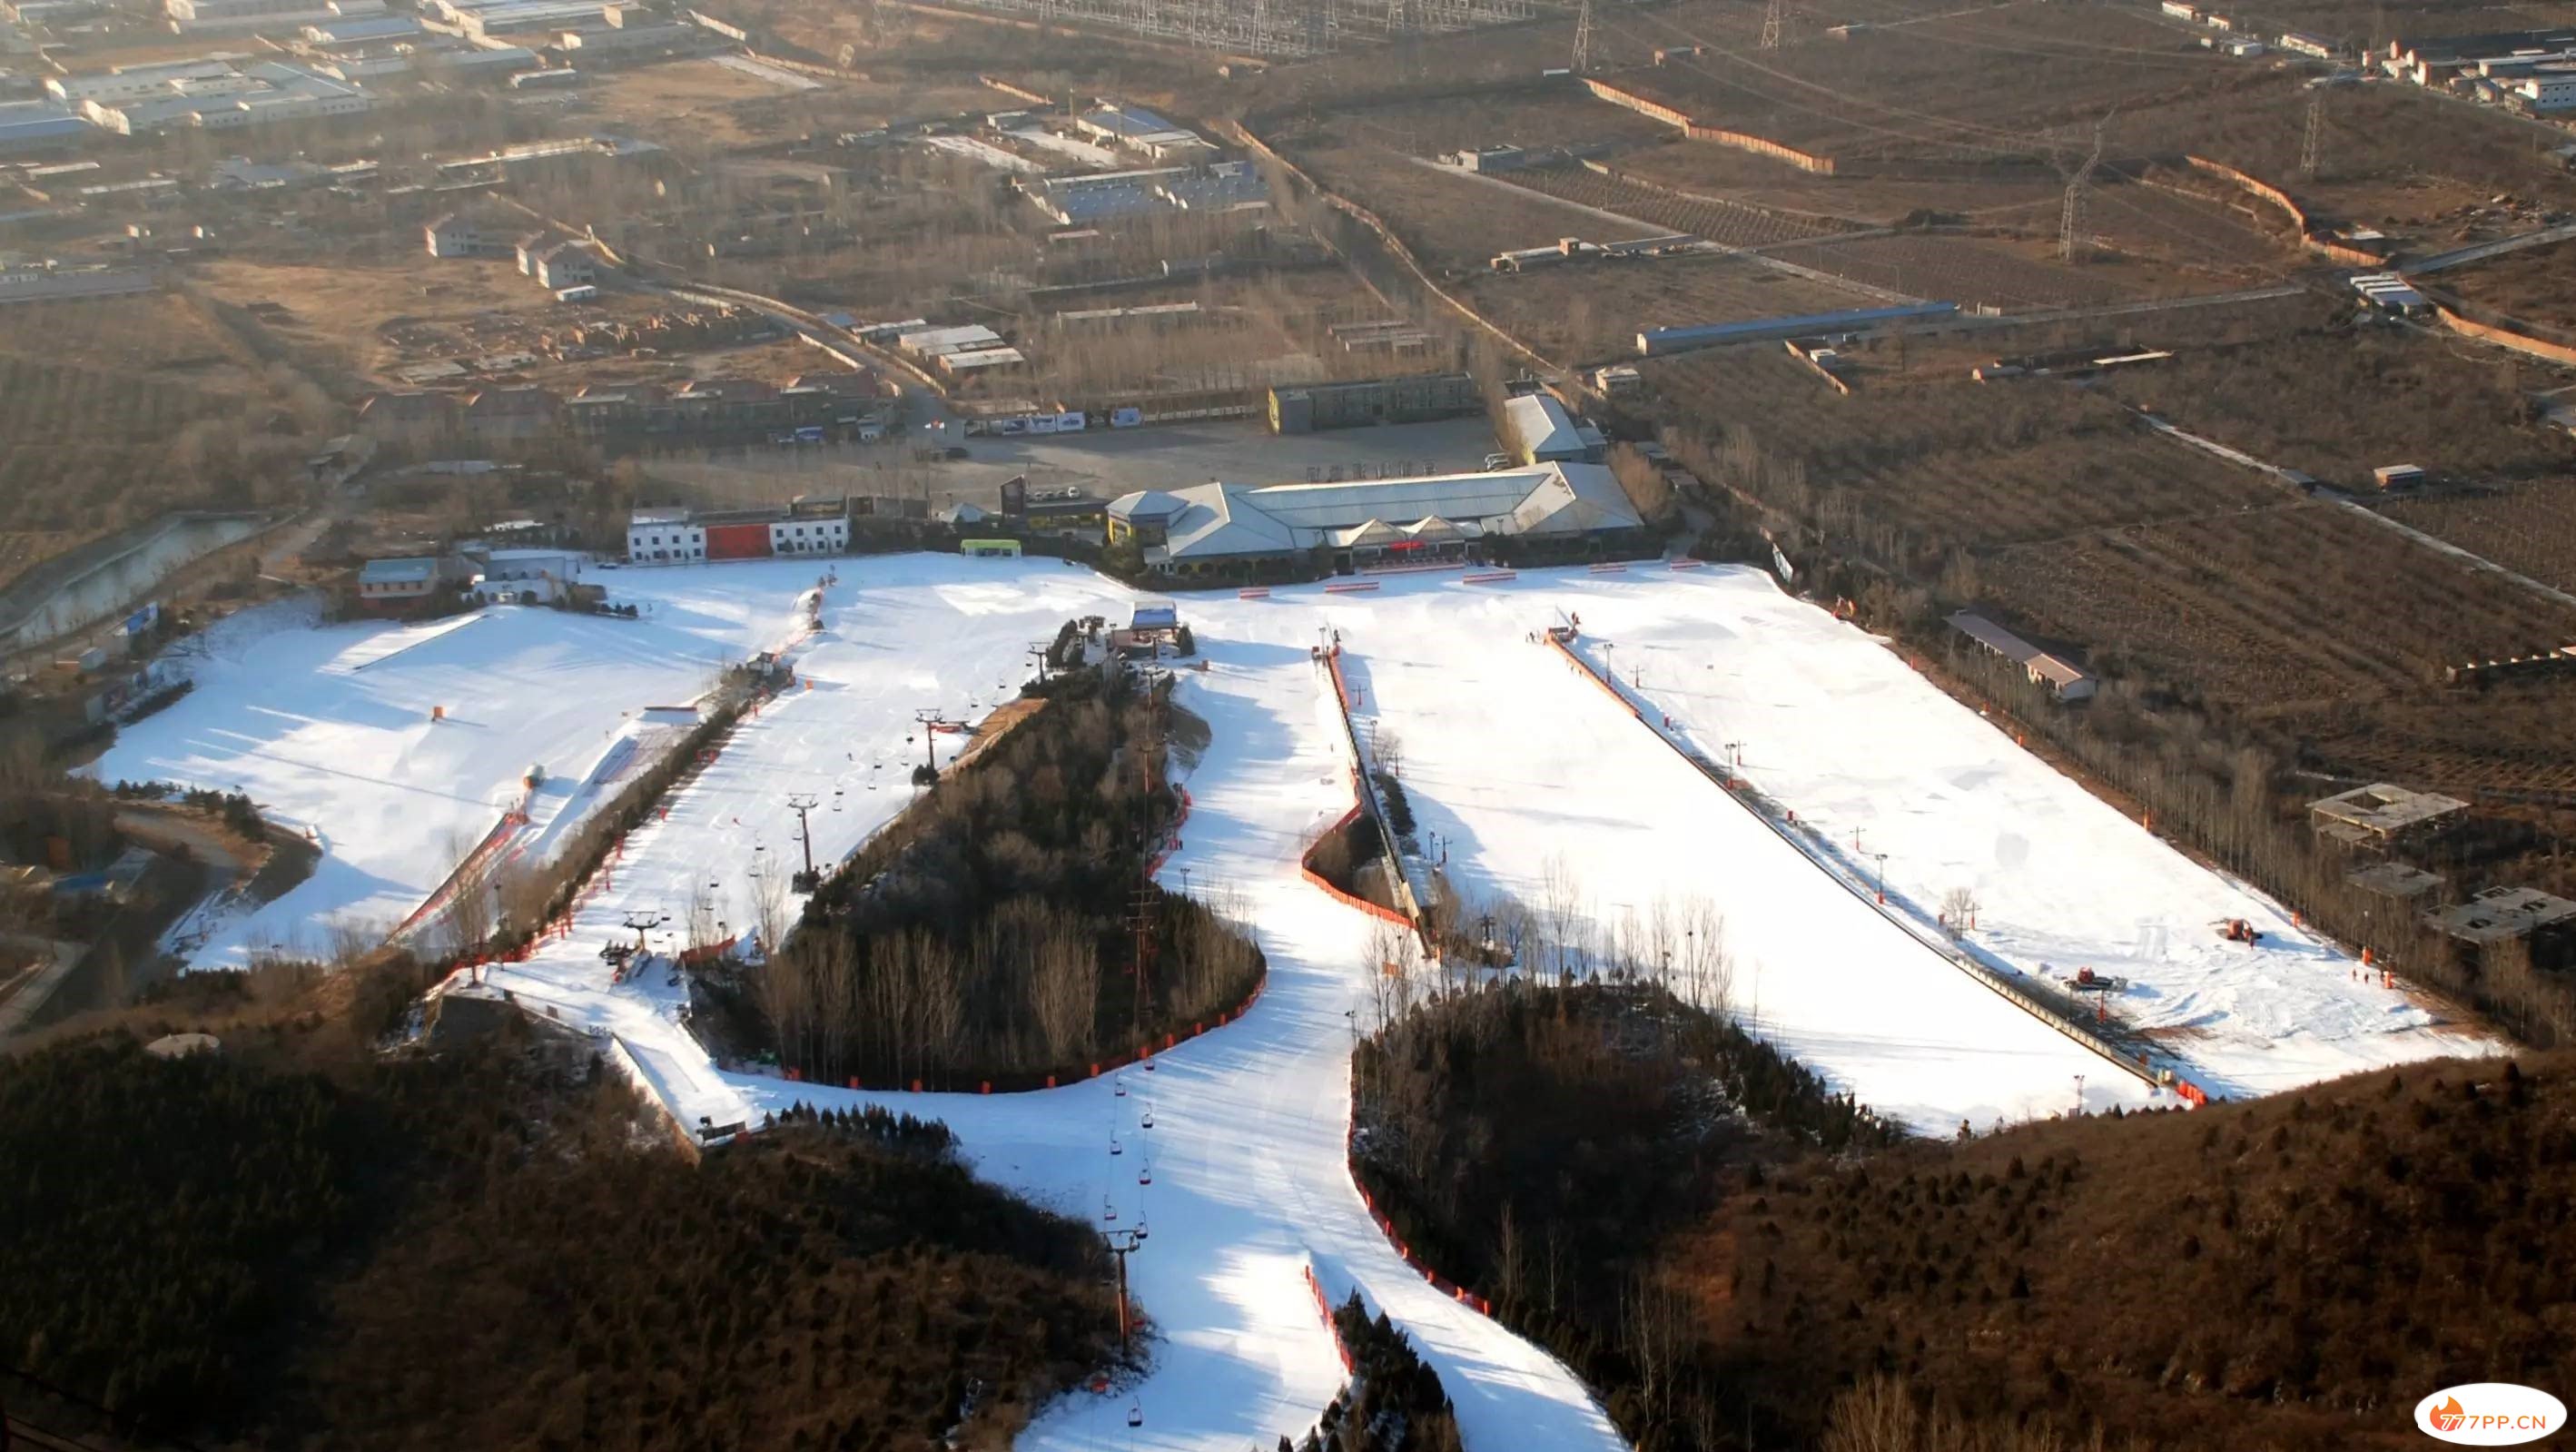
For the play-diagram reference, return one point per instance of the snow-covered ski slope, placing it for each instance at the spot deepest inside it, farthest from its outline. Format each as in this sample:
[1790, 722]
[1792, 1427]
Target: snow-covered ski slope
[329, 727]
[1527, 770]
[1248, 1183]
[1515, 758]
[1835, 725]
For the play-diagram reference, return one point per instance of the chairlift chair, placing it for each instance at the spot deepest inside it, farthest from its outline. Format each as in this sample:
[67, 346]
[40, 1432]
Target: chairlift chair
[1135, 1414]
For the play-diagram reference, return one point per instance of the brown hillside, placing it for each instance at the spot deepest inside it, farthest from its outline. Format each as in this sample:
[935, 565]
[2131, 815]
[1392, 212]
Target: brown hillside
[2293, 1273]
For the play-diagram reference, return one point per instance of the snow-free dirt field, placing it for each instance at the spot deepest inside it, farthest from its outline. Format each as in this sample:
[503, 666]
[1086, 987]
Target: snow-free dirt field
[1525, 767]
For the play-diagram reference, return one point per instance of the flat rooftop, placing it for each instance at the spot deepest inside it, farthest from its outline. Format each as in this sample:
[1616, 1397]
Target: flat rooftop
[2380, 810]
[2503, 913]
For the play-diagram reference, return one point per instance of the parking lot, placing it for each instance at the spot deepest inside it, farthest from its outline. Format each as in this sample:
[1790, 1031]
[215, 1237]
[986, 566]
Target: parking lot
[1104, 463]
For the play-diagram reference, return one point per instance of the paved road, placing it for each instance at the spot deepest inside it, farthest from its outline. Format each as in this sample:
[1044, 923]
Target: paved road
[2479, 252]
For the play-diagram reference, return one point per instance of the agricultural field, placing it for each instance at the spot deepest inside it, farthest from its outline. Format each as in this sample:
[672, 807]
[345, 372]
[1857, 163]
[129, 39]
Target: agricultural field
[2352, 24]
[1970, 271]
[2419, 166]
[2536, 286]
[1246, 333]
[698, 104]
[2338, 401]
[1982, 87]
[153, 337]
[2000, 198]
[1454, 222]
[1591, 312]
[2528, 527]
[1715, 219]
[112, 410]
[2324, 628]
[1947, 356]
[2300, 606]
[1928, 468]
[1533, 116]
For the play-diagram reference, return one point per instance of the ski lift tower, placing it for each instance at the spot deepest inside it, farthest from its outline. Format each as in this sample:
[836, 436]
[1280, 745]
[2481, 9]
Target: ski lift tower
[802, 803]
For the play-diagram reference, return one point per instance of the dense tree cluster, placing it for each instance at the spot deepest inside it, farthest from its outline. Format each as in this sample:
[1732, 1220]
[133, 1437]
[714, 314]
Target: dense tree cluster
[1395, 1402]
[2290, 1274]
[294, 1242]
[158, 1216]
[1544, 1145]
[989, 934]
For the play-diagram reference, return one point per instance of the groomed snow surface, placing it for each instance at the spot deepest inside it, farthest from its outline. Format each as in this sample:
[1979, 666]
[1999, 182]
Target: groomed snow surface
[328, 728]
[1525, 768]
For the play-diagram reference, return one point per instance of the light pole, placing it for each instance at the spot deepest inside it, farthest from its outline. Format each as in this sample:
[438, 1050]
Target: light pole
[1882, 876]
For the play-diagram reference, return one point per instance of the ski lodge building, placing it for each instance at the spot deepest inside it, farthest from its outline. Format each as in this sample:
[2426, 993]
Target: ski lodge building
[1367, 524]
[683, 537]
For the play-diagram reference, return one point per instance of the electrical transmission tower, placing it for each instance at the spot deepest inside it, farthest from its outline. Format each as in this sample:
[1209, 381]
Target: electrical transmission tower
[1771, 18]
[2070, 217]
[1583, 40]
[2312, 149]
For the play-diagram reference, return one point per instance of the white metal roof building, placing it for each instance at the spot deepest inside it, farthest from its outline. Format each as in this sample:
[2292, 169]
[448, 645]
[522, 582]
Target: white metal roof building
[933, 342]
[1544, 432]
[1370, 521]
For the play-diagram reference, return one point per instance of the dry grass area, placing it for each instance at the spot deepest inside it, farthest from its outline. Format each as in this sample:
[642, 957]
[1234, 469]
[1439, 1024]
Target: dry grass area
[1453, 221]
[2354, 21]
[368, 321]
[1247, 333]
[109, 411]
[1717, 219]
[2536, 285]
[1590, 312]
[1542, 115]
[1971, 271]
[2394, 156]
[698, 103]
[1709, 169]
[149, 337]
[1980, 87]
